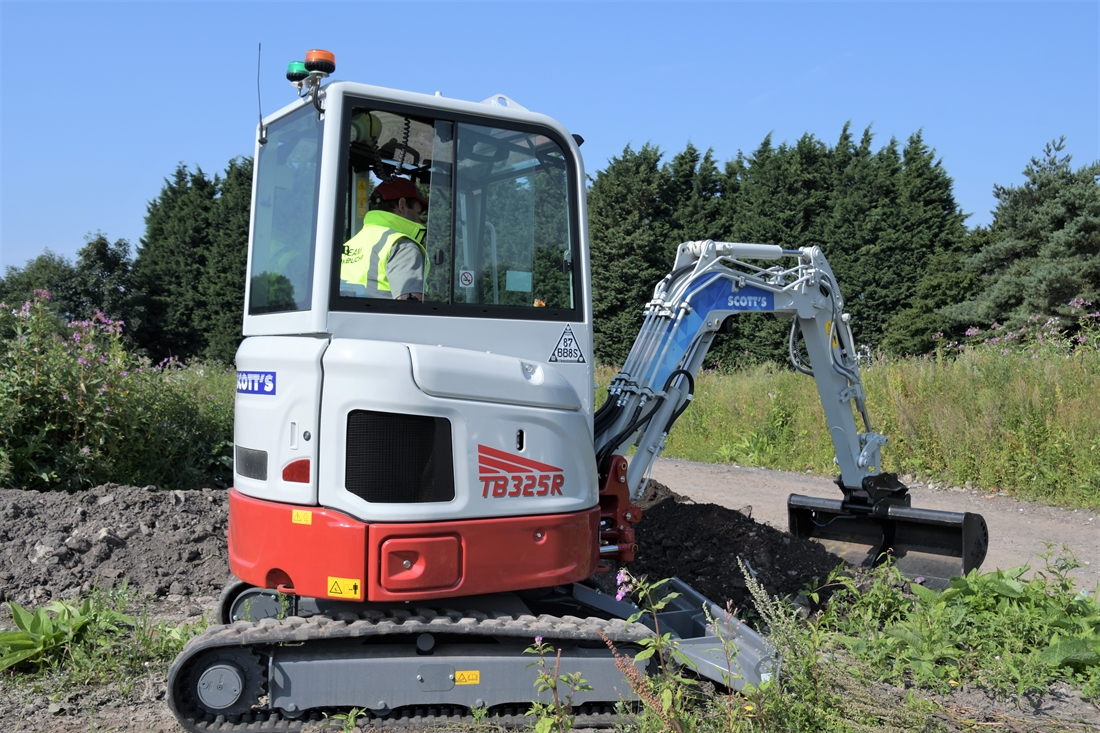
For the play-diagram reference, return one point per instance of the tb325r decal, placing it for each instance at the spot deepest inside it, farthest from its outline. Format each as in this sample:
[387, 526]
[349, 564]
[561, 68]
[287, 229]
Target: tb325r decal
[498, 469]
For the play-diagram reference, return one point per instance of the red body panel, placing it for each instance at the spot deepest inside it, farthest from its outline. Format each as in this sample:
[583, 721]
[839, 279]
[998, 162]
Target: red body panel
[272, 545]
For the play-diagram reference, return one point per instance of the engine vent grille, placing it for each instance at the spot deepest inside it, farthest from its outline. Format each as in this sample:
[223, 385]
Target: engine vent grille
[399, 459]
[250, 463]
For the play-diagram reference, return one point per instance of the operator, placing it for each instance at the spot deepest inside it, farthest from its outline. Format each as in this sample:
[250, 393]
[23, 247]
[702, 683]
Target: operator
[387, 256]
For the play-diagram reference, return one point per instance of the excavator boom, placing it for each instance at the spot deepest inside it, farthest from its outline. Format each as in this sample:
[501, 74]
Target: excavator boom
[712, 282]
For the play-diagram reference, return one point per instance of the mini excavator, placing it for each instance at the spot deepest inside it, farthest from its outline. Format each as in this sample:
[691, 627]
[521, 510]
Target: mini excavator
[422, 487]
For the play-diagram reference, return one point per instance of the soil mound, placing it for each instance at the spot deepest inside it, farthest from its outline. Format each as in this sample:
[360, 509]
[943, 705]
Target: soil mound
[701, 543]
[164, 543]
[173, 543]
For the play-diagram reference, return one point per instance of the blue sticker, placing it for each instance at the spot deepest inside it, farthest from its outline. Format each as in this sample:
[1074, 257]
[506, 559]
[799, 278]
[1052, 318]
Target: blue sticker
[256, 383]
[749, 298]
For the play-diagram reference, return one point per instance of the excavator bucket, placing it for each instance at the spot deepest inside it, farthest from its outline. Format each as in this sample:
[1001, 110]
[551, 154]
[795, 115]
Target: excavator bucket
[923, 543]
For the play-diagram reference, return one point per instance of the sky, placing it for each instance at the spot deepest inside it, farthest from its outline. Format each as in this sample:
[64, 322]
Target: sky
[101, 101]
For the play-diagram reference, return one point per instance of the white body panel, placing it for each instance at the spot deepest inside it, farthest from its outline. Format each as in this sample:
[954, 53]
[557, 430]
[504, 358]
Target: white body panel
[530, 341]
[441, 371]
[277, 423]
[362, 374]
[490, 377]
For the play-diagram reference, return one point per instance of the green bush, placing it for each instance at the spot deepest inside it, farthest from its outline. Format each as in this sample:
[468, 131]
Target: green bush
[78, 410]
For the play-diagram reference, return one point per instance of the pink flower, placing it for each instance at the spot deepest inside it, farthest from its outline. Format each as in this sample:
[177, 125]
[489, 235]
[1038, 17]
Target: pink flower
[622, 581]
[973, 331]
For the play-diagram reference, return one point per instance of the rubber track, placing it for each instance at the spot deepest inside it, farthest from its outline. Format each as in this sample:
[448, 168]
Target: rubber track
[296, 630]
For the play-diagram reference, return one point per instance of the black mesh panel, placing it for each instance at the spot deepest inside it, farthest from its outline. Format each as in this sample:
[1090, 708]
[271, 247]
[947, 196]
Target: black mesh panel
[250, 463]
[399, 459]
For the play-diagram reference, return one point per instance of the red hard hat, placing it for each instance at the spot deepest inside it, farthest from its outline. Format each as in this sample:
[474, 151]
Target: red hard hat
[400, 188]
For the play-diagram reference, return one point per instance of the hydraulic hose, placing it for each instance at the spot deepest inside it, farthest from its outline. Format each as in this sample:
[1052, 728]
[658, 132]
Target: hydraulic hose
[687, 400]
[605, 452]
[792, 348]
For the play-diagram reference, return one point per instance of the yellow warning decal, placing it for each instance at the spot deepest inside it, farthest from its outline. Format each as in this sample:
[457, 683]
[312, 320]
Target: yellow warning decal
[345, 588]
[301, 516]
[468, 677]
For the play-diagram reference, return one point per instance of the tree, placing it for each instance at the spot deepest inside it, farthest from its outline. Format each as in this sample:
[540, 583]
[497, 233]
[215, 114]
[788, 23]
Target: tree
[48, 271]
[886, 220]
[102, 279]
[220, 310]
[775, 196]
[99, 281]
[1045, 245]
[921, 257]
[629, 228]
[170, 265]
[692, 191]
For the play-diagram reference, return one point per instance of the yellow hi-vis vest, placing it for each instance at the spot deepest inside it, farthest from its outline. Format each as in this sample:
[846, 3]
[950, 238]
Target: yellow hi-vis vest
[366, 254]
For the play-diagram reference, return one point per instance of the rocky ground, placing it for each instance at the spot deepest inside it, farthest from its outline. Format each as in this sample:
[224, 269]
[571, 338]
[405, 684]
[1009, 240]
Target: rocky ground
[170, 547]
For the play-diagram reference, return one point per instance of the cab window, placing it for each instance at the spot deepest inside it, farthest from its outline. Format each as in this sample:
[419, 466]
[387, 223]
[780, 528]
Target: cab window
[496, 238]
[288, 169]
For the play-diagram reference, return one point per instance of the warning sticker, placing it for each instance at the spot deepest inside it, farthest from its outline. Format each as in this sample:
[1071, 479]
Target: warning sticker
[466, 278]
[301, 516]
[345, 588]
[468, 677]
[568, 351]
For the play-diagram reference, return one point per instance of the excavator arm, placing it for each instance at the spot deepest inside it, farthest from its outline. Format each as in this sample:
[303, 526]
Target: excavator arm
[714, 281]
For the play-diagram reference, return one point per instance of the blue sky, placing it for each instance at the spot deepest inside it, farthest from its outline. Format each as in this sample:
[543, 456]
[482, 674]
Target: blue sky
[101, 101]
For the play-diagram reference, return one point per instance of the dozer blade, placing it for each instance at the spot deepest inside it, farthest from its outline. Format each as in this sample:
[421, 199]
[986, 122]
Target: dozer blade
[923, 543]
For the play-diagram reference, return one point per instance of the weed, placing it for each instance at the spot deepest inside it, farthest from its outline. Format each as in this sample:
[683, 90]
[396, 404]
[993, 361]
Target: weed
[667, 694]
[347, 721]
[93, 640]
[991, 630]
[556, 715]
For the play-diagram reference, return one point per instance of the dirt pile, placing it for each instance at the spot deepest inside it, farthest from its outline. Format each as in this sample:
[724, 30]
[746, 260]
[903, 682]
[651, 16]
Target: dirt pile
[173, 545]
[165, 543]
[701, 544]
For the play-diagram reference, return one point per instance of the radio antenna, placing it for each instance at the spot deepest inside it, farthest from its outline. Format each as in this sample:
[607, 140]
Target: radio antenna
[263, 132]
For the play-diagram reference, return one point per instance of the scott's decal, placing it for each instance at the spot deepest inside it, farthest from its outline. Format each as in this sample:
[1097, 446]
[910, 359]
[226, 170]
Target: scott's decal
[506, 474]
[256, 383]
[749, 298]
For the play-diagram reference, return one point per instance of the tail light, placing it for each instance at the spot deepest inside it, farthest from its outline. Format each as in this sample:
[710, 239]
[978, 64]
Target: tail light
[297, 471]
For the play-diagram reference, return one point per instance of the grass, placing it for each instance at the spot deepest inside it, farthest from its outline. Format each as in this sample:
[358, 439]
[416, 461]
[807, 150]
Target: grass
[1023, 422]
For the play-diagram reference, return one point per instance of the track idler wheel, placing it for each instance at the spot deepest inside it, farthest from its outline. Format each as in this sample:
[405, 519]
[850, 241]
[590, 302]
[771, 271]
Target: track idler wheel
[224, 682]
